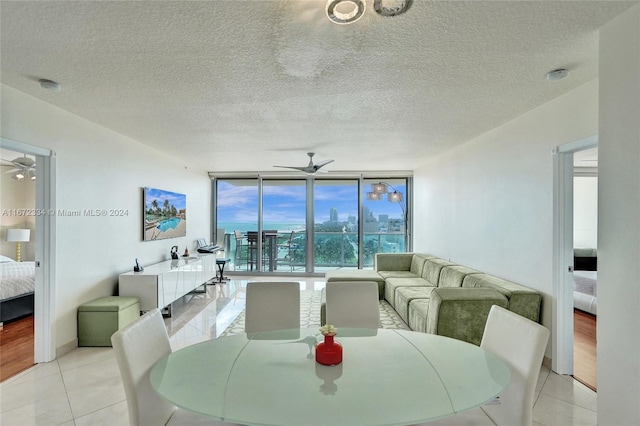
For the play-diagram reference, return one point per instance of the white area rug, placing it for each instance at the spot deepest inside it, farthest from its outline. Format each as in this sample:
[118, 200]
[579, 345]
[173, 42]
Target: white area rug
[310, 315]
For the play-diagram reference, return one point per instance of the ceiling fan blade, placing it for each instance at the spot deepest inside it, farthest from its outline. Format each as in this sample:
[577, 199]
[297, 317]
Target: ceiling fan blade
[322, 171]
[302, 169]
[323, 163]
[12, 170]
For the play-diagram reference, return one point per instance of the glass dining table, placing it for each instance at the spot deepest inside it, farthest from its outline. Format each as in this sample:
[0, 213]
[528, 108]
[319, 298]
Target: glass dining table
[387, 377]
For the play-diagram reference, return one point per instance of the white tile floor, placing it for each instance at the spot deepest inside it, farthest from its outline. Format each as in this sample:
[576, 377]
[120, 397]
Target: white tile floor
[83, 387]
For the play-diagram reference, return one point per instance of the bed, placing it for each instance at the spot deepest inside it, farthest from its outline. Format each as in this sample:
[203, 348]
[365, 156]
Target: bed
[17, 285]
[585, 280]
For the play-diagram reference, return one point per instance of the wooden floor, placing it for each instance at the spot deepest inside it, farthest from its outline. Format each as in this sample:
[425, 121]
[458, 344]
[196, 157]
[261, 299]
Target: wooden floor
[16, 347]
[584, 348]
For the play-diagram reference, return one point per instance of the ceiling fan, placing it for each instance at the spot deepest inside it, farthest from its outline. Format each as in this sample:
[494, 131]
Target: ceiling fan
[310, 169]
[23, 168]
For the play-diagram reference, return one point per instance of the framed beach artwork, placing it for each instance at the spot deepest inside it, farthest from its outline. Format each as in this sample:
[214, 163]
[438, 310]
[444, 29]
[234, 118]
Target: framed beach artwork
[165, 214]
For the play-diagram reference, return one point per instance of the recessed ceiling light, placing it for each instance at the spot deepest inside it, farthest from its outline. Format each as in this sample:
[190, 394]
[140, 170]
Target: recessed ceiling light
[49, 84]
[557, 74]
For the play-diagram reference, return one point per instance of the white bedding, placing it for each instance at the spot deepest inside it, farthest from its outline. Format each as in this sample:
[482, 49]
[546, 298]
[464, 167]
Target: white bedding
[585, 291]
[16, 278]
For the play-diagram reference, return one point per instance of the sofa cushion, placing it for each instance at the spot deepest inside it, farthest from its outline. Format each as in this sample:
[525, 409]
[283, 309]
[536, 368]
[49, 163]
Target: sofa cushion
[356, 275]
[461, 313]
[404, 296]
[453, 275]
[392, 269]
[432, 268]
[418, 313]
[522, 300]
[391, 284]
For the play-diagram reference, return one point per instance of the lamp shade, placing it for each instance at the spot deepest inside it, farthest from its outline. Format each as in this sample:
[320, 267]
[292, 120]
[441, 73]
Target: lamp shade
[379, 188]
[395, 197]
[18, 235]
[373, 196]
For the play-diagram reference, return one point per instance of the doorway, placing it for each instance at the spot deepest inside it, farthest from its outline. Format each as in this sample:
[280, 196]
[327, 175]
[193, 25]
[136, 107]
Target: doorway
[585, 266]
[44, 242]
[17, 266]
[563, 335]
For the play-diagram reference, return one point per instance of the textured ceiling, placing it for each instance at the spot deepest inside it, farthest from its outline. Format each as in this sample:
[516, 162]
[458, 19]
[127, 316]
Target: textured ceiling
[245, 85]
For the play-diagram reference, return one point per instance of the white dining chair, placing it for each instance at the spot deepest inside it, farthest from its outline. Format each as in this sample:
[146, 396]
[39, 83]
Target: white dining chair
[520, 343]
[352, 304]
[138, 346]
[272, 305]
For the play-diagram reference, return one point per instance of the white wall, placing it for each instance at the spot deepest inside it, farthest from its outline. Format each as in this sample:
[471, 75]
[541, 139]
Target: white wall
[585, 211]
[619, 222]
[489, 203]
[100, 169]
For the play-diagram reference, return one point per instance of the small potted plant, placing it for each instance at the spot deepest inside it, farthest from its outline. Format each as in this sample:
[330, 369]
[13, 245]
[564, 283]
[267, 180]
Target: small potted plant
[329, 352]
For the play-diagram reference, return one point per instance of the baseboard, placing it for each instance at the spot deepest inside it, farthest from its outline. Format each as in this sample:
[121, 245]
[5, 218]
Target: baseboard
[66, 348]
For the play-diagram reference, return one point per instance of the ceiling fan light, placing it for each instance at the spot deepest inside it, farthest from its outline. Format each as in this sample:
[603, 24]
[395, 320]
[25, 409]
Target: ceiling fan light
[17, 176]
[32, 175]
[345, 11]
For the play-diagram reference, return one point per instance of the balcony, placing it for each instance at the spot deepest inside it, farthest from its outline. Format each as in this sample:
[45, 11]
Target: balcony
[331, 250]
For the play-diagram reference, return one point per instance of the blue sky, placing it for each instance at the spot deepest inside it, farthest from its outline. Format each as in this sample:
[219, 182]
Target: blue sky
[179, 201]
[284, 201]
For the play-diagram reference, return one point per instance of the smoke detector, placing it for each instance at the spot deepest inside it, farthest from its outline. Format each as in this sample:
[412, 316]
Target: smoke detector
[49, 85]
[557, 74]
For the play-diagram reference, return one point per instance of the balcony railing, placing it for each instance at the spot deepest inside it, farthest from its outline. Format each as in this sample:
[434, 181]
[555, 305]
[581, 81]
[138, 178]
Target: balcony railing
[331, 250]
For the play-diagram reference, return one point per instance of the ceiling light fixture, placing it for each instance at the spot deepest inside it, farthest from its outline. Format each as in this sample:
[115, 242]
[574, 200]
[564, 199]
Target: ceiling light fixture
[23, 167]
[391, 7]
[557, 74]
[345, 11]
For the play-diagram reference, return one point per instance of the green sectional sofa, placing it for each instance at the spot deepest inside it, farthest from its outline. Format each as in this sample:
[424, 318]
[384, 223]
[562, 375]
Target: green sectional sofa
[433, 295]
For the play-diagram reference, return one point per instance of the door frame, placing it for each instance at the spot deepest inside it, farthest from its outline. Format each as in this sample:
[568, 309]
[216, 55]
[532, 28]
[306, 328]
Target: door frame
[44, 297]
[562, 332]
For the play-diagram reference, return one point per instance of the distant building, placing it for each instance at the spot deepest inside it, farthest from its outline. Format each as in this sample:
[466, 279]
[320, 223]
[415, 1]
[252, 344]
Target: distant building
[333, 214]
[370, 222]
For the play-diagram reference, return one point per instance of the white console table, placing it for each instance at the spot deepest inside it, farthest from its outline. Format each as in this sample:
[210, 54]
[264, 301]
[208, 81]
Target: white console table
[161, 284]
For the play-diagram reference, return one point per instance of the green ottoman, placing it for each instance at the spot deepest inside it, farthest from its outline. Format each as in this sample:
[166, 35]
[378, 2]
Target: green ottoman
[357, 275]
[100, 318]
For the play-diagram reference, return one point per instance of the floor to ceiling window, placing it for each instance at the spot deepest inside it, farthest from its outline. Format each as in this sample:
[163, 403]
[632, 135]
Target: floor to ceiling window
[310, 224]
[335, 236]
[284, 207]
[237, 204]
[384, 217]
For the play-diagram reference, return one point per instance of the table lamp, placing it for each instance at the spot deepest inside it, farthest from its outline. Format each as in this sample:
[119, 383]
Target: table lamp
[18, 236]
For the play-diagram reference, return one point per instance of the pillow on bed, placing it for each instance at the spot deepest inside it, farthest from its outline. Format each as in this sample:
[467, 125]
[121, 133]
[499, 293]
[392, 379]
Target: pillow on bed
[6, 259]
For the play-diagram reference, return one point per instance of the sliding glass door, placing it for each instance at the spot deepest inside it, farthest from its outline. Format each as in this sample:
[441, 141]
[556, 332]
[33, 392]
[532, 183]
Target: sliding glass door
[284, 207]
[335, 233]
[310, 224]
[237, 204]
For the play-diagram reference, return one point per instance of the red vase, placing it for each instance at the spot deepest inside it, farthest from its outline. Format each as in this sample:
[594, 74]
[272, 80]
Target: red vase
[329, 352]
